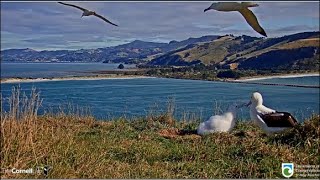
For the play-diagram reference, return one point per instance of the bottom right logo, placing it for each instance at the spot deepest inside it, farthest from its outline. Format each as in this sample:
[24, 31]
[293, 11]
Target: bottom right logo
[287, 169]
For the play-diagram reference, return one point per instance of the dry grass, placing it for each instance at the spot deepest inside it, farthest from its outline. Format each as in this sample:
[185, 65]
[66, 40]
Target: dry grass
[213, 52]
[312, 42]
[77, 146]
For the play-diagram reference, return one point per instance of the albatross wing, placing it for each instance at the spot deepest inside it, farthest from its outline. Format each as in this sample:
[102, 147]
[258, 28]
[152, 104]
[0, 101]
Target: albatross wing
[264, 110]
[103, 18]
[83, 9]
[252, 21]
[279, 119]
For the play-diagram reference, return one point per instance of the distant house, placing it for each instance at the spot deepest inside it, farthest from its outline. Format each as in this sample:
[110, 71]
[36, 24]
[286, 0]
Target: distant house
[233, 66]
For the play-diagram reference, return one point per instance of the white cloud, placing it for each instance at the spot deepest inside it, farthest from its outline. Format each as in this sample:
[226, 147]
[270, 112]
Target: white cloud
[40, 24]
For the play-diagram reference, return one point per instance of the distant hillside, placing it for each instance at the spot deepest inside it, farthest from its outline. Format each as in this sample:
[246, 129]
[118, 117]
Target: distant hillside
[180, 44]
[137, 44]
[300, 50]
[133, 52]
[292, 51]
[122, 53]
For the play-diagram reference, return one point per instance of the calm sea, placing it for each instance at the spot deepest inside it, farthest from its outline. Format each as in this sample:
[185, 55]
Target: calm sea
[47, 70]
[309, 80]
[113, 98]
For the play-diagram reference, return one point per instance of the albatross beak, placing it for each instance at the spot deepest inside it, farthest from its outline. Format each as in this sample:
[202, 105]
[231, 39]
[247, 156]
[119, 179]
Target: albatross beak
[206, 9]
[249, 103]
[242, 105]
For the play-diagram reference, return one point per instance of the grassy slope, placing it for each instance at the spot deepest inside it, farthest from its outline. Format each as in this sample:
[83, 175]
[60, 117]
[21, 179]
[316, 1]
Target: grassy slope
[77, 146]
[80, 147]
[312, 42]
[212, 52]
[219, 50]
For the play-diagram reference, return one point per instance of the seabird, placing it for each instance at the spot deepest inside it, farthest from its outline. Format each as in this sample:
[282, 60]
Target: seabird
[269, 120]
[220, 123]
[243, 9]
[87, 12]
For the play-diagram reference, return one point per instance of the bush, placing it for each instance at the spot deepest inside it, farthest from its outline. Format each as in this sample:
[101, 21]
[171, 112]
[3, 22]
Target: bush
[121, 66]
[228, 74]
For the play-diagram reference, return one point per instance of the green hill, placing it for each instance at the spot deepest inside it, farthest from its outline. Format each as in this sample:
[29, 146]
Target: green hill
[299, 50]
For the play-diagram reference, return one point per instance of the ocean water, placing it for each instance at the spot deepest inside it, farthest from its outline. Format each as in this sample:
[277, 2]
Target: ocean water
[308, 80]
[47, 70]
[113, 98]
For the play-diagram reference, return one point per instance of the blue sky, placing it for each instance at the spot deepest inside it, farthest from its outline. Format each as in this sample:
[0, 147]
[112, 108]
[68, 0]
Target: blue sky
[51, 26]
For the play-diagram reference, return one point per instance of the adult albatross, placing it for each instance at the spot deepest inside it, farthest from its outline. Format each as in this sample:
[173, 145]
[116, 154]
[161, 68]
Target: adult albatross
[87, 12]
[269, 120]
[243, 8]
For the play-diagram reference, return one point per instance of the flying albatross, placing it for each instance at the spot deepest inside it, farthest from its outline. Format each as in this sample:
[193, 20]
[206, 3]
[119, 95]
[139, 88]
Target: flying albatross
[243, 9]
[269, 120]
[87, 12]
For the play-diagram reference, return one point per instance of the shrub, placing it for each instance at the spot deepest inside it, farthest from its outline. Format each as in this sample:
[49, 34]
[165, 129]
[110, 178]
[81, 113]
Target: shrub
[121, 66]
[228, 74]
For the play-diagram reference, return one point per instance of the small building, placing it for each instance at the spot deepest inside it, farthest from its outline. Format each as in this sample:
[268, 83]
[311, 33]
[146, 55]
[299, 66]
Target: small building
[233, 66]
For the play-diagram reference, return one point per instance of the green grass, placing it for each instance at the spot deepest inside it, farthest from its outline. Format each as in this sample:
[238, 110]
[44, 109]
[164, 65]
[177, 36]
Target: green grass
[77, 146]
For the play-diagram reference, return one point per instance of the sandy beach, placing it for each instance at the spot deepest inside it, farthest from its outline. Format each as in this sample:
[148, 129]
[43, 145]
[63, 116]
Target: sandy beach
[19, 80]
[277, 76]
[79, 78]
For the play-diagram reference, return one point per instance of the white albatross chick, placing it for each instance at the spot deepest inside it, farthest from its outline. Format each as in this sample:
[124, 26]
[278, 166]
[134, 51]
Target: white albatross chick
[268, 119]
[219, 123]
[243, 9]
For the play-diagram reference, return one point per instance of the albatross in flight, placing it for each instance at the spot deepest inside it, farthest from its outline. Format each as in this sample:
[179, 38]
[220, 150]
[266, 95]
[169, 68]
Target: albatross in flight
[243, 9]
[269, 120]
[87, 12]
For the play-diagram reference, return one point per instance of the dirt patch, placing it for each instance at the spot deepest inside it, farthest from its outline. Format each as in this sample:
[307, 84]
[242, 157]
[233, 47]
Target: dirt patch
[173, 133]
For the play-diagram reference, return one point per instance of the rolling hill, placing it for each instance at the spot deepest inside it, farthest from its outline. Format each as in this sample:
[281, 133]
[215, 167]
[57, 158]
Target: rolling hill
[300, 50]
[133, 52]
[247, 52]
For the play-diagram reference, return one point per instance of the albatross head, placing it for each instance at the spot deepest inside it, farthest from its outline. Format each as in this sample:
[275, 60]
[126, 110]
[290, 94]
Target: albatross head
[213, 6]
[256, 99]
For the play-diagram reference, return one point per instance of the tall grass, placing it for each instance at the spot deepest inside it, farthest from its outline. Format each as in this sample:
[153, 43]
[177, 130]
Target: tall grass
[19, 126]
[21, 106]
[25, 136]
[75, 145]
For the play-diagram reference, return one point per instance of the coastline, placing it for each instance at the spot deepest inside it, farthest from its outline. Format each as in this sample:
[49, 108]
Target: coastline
[76, 78]
[103, 77]
[255, 78]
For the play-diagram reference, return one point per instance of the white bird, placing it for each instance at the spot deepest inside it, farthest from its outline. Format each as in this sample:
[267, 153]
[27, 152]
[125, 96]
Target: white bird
[243, 9]
[219, 123]
[87, 12]
[268, 119]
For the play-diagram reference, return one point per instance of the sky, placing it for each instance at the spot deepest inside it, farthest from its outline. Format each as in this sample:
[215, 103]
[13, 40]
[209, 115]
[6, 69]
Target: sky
[52, 26]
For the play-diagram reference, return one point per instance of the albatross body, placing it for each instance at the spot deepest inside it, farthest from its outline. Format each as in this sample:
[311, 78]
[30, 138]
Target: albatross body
[219, 123]
[87, 12]
[268, 119]
[243, 9]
